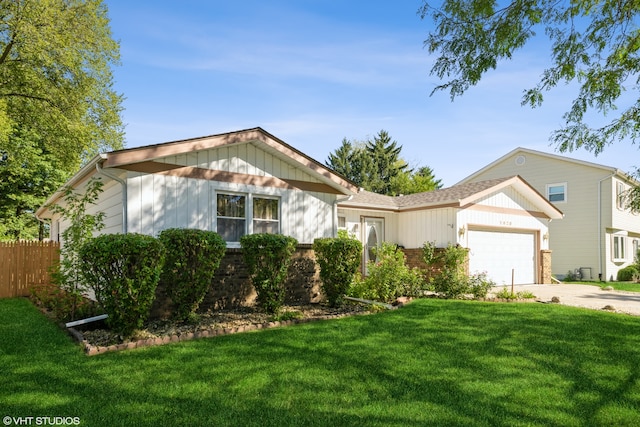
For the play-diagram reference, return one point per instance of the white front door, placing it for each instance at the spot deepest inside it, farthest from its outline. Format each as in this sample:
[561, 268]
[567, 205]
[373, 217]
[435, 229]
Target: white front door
[372, 238]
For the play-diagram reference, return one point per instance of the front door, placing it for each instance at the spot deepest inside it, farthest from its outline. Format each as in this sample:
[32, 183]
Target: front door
[372, 239]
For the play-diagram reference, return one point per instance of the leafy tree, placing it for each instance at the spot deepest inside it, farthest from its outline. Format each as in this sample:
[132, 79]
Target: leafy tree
[56, 94]
[421, 181]
[27, 177]
[376, 165]
[595, 44]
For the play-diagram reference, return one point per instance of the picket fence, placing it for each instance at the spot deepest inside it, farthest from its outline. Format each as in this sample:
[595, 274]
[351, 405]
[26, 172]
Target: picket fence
[25, 264]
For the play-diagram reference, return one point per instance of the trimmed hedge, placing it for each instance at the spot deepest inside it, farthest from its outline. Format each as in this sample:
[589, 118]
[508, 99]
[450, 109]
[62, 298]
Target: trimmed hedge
[339, 259]
[123, 270]
[193, 256]
[268, 257]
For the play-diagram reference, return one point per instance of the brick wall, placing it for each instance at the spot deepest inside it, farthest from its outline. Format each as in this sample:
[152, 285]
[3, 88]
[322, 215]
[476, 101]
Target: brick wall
[231, 287]
[414, 259]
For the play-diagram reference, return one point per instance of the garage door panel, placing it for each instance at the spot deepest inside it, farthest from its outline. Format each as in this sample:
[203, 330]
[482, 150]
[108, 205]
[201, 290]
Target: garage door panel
[498, 253]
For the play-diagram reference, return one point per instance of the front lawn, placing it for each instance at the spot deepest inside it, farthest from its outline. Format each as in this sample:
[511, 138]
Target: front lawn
[432, 362]
[618, 286]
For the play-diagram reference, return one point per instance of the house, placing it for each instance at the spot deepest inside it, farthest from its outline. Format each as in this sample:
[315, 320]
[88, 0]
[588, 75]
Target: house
[249, 181]
[235, 183]
[598, 235]
[503, 222]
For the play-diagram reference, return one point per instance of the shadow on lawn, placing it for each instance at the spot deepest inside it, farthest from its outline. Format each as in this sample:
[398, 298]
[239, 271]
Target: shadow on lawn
[432, 362]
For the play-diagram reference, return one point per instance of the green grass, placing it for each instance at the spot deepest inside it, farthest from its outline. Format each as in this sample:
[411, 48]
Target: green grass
[433, 362]
[618, 286]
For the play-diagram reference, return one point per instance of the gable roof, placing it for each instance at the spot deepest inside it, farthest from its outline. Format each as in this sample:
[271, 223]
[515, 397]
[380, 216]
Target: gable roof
[609, 169]
[458, 196]
[144, 159]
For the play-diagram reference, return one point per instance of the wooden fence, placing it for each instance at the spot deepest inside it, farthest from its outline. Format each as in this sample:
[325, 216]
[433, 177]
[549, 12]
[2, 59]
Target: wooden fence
[24, 264]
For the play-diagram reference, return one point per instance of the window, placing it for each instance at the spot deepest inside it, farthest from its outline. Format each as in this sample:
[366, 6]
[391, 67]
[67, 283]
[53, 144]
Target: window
[265, 216]
[231, 216]
[342, 222]
[240, 214]
[636, 246]
[620, 195]
[618, 248]
[557, 192]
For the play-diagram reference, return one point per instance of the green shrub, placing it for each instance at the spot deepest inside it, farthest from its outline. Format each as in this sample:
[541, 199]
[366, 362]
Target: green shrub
[447, 273]
[627, 274]
[479, 285]
[339, 259]
[448, 276]
[192, 258]
[67, 276]
[123, 270]
[268, 257]
[389, 277]
[505, 293]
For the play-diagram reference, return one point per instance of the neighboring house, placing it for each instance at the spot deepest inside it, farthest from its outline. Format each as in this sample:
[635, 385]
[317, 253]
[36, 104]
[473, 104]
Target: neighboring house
[502, 221]
[234, 183]
[598, 235]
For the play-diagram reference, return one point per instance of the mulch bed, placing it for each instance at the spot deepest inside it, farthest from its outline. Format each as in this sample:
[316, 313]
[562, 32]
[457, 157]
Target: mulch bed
[212, 323]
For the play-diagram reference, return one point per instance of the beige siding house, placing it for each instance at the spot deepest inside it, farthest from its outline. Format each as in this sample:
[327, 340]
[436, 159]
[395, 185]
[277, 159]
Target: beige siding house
[598, 235]
[235, 183]
[502, 221]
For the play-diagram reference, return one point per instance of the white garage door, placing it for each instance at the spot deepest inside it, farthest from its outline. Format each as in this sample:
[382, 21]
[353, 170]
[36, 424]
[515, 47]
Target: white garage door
[498, 253]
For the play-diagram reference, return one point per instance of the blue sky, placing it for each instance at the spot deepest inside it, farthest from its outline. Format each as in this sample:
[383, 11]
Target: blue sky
[313, 72]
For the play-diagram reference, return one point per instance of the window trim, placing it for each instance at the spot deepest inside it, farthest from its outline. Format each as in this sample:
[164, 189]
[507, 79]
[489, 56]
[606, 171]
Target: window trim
[564, 193]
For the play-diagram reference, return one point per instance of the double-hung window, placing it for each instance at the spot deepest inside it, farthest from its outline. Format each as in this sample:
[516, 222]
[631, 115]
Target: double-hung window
[557, 192]
[266, 218]
[618, 247]
[240, 214]
[620, 195]
[231, 216]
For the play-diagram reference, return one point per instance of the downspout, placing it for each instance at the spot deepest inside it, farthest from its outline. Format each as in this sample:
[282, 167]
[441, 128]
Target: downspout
[116, 178]
[600, 249]
[335, 212]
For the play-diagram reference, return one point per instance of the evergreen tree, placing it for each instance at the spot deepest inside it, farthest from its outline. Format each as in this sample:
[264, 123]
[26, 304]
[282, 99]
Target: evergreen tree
[376, 166]
[387, 164]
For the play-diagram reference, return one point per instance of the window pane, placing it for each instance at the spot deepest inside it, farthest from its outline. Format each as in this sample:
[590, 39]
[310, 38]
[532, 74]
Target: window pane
[265, 208]
[271, 227]
[556, 193]
[231, 229]
[231, 205]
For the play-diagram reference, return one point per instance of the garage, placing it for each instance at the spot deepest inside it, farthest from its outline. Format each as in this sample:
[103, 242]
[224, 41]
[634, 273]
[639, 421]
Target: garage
[499, 252]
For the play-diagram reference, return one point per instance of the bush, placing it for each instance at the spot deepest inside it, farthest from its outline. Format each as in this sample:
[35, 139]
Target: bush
[339, 259]
[627, 274]
[389, 277]
[123, 270]
[268, 257]
[192, 258]
[448, 276]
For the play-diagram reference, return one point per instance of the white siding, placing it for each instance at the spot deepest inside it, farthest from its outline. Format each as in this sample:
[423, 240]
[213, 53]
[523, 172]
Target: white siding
[432, 225]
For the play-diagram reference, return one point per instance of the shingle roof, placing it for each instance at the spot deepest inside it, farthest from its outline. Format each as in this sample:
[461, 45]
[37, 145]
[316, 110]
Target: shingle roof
[437, 197]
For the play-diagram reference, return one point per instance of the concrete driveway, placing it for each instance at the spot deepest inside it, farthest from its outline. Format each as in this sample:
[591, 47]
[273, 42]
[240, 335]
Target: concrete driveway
[586, 296]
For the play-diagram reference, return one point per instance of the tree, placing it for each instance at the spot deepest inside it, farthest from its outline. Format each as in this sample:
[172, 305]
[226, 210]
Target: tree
[595, 44]
[385, 155]
[56, 95]
[376, 165]
[351, 161]
[421, 181]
